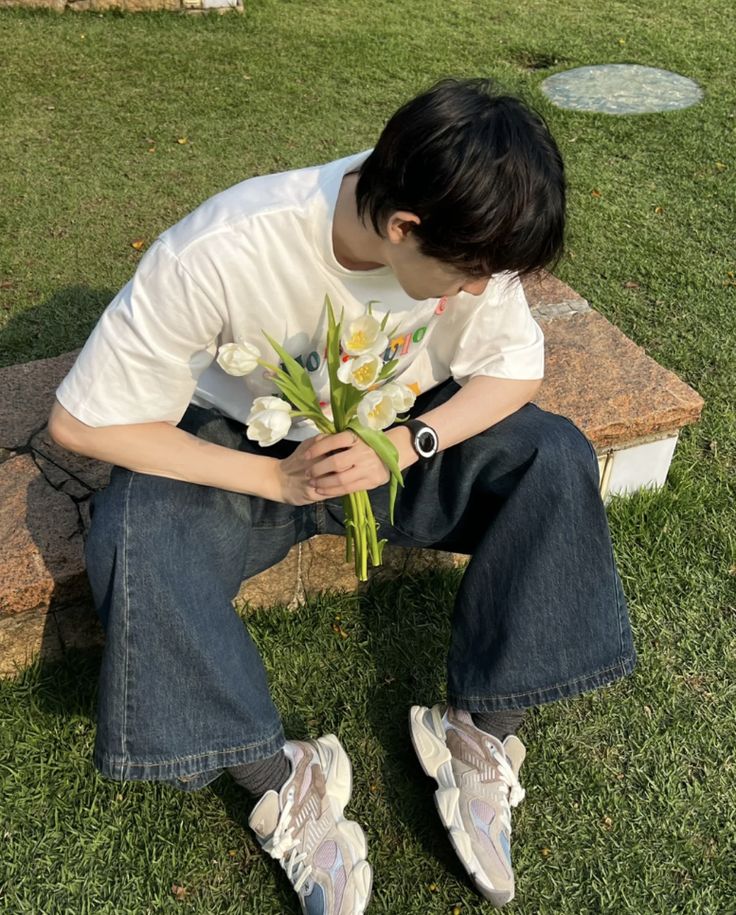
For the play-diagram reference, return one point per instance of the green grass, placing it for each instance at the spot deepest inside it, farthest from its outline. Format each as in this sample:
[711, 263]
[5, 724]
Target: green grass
[630, 790]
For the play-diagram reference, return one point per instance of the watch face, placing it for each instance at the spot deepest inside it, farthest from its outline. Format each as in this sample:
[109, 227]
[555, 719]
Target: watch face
[427, 442]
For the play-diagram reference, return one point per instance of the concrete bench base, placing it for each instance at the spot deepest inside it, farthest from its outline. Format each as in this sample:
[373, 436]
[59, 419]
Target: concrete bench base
[631, 408]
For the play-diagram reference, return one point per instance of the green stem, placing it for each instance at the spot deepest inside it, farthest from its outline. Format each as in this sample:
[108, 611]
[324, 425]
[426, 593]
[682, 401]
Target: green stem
[368, 531]
[371, 522]
[360, 537]
[356, 534]
[319, 419]
[347, 507]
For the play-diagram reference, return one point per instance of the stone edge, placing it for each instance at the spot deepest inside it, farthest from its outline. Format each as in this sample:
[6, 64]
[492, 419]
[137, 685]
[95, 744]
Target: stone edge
[129, 6]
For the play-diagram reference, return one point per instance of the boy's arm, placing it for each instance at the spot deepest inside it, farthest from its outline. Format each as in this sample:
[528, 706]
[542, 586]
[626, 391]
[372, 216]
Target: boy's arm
[162, 449]
[479, 404]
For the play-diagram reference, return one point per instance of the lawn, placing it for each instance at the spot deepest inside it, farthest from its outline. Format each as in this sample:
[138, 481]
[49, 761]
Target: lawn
[113, 127]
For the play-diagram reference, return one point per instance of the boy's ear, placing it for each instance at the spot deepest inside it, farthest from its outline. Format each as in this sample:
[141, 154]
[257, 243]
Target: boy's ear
[400, 225]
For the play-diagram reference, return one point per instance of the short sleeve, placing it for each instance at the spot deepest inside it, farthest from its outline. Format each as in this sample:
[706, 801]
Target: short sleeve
[501, 339]
[142, 361]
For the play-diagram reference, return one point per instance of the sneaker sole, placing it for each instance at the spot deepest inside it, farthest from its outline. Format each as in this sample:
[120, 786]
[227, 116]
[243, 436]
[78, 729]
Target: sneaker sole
[436, 761]
[338, 771]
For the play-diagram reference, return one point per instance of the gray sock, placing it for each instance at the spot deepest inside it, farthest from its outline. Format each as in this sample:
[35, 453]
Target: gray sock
[499, 724]
[262, 775]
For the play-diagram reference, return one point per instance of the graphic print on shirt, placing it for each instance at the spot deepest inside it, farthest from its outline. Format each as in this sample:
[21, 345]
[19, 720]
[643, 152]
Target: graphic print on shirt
[403, 344]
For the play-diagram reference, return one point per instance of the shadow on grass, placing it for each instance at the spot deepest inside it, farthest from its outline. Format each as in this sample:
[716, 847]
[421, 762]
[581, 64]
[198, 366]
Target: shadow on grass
[408, 625]
[53, 326]
[66, 687]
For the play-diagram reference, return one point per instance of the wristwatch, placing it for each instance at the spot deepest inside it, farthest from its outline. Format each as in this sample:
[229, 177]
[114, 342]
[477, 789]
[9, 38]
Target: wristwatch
[423, 438]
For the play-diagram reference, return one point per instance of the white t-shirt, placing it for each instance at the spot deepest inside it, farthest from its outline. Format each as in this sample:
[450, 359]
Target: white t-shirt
[258, 256]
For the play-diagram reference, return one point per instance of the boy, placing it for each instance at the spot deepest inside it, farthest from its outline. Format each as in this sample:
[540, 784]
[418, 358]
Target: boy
[463, 193]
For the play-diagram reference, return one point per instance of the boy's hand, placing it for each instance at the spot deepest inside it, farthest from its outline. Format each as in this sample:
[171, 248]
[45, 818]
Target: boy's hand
[329, 466]
[343, 463]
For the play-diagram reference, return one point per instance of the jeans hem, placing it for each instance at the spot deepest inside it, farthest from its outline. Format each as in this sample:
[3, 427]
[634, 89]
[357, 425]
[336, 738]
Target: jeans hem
[531, 698]
[188, 773]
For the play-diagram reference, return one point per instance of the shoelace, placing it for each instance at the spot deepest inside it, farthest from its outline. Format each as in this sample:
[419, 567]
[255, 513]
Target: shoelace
[283, 843]
[514, 793]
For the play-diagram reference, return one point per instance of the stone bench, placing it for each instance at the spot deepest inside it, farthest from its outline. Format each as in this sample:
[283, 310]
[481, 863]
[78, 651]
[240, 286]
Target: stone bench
[630, 407]
[130, 6]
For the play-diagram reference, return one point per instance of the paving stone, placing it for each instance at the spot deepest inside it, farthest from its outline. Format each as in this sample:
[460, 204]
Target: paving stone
[543, 290]
[140, 6]
[131, 6]
[79, 627]
[41, 548]
[400, 562]
[323, 565]
[83, 508]
[611, 389]
[24, 635]
[55, 475]
[277, 585]
[28, 395]
[621, 89]
[318, 565]
[56, 5]
[76, 490]
[95, 474]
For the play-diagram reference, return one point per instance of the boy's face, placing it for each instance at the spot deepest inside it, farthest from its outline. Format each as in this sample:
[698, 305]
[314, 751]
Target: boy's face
[423, 277]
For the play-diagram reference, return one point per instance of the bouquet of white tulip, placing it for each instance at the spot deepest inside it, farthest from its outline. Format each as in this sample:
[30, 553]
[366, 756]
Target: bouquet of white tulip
[361, 398]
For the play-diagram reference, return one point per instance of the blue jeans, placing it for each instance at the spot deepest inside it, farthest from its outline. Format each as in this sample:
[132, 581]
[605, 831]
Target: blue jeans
[540, 613]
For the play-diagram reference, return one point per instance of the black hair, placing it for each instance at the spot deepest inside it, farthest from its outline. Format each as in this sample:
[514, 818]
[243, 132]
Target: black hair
[482, 172]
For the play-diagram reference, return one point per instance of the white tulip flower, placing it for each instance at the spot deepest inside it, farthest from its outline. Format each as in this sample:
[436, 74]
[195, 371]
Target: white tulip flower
[402, 396]
[238, 358]
[376, 410]
[363, 337]
[361, 372]
[268, 420]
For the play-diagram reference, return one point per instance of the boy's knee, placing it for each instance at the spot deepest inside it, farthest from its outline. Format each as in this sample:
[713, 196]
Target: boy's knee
[563, 447]
[551, 441]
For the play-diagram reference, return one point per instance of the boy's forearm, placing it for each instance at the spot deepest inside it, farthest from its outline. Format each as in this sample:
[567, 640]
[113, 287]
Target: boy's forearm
[478, 405]
[162, 449]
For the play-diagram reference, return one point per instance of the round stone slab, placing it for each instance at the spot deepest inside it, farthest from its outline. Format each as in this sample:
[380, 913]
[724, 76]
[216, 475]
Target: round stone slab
[621, 89]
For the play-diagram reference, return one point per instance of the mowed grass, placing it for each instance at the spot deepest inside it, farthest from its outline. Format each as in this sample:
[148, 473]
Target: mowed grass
[631, 789]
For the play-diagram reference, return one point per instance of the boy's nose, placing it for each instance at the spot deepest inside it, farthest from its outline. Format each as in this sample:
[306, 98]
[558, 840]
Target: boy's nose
[476, 287]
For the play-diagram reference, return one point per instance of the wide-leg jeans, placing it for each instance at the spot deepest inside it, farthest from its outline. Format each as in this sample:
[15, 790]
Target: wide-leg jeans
[540, 613]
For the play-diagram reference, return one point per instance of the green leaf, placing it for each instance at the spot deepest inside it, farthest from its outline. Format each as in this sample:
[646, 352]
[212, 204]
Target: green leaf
[297, 373]
[292, 391]
[381, 444]
[337, 396]
[294, 394]
[393, 487]
[352, 398]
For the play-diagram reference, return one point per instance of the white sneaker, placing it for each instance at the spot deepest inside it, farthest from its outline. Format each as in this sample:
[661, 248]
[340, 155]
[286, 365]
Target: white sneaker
[478, 784]
[303, 828]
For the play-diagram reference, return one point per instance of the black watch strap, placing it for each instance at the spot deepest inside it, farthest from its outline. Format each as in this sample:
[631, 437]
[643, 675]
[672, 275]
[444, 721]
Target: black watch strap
[423, 438]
